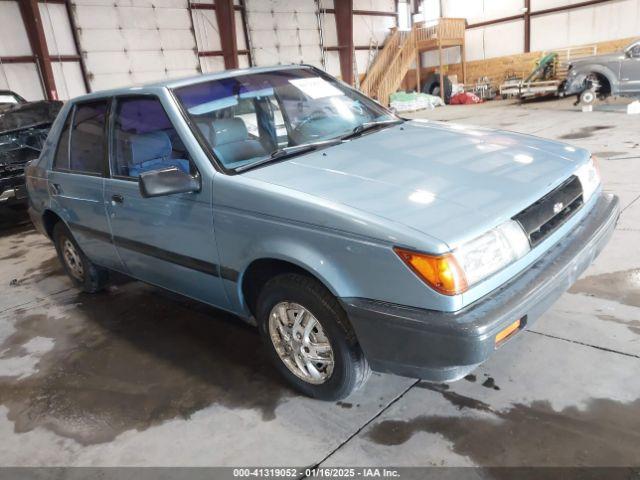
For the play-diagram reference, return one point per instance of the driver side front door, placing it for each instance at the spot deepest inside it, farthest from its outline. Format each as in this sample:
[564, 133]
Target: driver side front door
[168, 240]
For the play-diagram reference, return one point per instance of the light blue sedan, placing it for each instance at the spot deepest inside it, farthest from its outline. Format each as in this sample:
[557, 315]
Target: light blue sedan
[354, 239]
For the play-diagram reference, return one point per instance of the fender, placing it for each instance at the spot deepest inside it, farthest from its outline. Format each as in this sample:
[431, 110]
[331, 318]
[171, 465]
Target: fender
[303, 255]
[575, 85]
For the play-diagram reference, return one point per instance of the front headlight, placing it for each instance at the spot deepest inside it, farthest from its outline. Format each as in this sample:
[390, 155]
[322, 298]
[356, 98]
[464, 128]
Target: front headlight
[492, 251]
[589, 176]
[453, 273]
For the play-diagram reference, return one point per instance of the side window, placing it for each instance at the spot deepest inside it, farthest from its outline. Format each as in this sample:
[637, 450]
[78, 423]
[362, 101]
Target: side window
[144, 139]
[61, 160]
[241, 122]
[87, 137]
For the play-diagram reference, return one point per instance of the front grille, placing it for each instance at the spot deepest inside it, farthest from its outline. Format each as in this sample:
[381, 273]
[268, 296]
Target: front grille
[545, 216]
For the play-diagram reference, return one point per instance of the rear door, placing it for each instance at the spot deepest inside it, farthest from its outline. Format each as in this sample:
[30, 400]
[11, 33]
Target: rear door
[76, 181]
[167, 241]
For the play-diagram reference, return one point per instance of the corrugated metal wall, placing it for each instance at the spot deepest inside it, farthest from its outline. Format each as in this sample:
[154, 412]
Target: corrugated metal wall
[207, 34]
[284, 31]
[368, 31]
[581, 26]
[23, 77]
[591, 24]
[60, 42]
[127, 42]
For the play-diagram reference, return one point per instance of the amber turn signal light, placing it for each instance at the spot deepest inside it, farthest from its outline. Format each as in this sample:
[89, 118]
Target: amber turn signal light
[440, 272]
[507, 332]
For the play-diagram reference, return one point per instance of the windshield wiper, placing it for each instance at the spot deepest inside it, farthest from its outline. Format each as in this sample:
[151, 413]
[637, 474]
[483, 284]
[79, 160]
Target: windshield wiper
[287, 152]
[366, 126]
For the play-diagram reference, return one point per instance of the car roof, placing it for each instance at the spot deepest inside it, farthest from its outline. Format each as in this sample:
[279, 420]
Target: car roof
[181, 82]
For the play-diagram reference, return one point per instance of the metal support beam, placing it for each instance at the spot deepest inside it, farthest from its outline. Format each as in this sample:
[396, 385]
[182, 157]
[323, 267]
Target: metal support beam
[441, 70]
[218, 53]
[495, 22]
[536, 13]
[33, 25]
[76, 41]
[527, 26]
[356, 48]
[572, 6]
[193, 32]
[210, 6]
[344, 27]
[227, 27]
[18, 59]
[369, 13]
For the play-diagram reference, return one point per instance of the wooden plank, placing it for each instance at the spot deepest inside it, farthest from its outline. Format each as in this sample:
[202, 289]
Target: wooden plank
[441, 73]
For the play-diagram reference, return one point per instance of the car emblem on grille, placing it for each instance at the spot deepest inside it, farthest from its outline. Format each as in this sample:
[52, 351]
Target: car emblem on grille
[557, 207]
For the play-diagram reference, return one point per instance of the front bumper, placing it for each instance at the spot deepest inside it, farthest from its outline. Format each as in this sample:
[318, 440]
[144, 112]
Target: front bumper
[12, 190]
[445, 346]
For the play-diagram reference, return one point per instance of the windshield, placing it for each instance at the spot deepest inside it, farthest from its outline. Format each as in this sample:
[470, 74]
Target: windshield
[251, 119]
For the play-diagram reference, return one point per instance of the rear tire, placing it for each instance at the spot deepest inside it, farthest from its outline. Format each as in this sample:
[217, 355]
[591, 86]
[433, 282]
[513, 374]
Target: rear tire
[432, 86]
[83, 273]
[314, 314]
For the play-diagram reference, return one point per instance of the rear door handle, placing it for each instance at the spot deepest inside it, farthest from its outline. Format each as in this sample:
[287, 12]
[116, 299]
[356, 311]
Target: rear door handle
[117, 199]
[55, 188]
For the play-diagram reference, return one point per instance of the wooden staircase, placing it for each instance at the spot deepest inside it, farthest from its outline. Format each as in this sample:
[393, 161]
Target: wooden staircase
[403, 48]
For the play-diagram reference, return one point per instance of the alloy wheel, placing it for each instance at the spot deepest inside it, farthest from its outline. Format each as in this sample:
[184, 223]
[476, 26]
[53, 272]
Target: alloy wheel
[300, 342]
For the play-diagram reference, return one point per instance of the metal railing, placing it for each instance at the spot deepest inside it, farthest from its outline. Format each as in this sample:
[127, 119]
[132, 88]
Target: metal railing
[444, 29]
[400, 51]
[391, 46]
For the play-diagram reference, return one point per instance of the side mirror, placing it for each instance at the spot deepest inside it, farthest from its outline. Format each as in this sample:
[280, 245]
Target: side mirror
[633, 52]
[168, 181]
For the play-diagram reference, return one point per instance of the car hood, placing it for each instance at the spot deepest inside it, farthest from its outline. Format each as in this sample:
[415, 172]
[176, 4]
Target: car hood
[609, 57]
[451, 182]
[27, 115]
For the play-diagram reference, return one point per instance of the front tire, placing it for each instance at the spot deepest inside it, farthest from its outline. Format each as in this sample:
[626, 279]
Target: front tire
[309, 337]
[83, 273]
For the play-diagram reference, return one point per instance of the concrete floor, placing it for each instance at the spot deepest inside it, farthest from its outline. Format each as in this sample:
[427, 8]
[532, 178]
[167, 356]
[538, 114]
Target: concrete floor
[137, 376]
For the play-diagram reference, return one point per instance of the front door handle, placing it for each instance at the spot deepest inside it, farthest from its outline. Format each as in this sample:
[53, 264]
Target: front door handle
[117, 199]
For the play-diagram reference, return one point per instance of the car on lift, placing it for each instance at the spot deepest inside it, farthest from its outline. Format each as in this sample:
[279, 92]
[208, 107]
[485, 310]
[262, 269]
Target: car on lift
[23, 129]
[616, 74]
[354, 239]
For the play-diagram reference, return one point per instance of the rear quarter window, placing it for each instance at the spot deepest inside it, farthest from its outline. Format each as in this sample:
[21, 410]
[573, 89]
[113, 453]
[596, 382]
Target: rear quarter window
[61, 160]
[87, 146]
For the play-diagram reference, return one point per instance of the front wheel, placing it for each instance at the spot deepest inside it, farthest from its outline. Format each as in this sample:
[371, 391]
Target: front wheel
[309, 337]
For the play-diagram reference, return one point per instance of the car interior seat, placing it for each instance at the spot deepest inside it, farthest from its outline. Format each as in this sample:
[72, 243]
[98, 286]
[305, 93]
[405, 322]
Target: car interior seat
[230, 140]
[152, 151]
